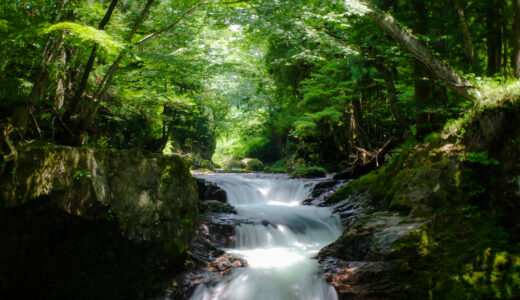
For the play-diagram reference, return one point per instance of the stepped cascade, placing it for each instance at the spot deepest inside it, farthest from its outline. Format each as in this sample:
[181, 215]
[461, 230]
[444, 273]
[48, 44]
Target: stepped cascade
[278, 241]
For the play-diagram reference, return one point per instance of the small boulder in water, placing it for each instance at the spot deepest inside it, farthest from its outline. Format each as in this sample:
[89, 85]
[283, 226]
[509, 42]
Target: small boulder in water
[253, 164]
[214, 206]
[210, 191]
[323, 187]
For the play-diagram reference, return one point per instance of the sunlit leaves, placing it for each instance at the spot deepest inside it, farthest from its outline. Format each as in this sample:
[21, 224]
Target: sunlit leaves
[356, 7]
[88, 34]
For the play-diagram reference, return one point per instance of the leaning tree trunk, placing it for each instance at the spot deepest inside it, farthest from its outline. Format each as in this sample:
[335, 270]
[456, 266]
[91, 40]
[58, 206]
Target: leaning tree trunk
[516, 39]
[437, 66]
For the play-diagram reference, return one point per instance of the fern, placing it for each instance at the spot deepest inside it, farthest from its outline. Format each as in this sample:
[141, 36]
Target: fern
[90, 34]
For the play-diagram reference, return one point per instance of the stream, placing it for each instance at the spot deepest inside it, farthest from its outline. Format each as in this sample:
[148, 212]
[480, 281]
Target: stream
[278, 240]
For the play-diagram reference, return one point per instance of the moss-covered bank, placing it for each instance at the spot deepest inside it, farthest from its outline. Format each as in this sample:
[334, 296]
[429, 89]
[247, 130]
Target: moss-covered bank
[464, 185]
[72, 210]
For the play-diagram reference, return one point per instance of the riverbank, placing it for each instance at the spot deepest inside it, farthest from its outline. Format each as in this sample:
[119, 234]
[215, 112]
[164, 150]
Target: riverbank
[439, 220]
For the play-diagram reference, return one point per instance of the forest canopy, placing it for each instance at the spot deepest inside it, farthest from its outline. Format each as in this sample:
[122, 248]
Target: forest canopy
[296, 84]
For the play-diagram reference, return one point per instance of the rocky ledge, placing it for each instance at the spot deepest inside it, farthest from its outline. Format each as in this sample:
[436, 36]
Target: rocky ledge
[83, 223]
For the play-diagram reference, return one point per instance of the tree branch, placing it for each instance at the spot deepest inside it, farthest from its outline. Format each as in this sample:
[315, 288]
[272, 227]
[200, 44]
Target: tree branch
[170, 26]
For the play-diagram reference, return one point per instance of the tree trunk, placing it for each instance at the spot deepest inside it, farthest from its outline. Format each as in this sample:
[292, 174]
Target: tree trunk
[437, 66]
[61, 84]
[516, 39]
[90, 63]
[422, 98]
[107, 79]
[22, 113]
[392, 94]
[360, 137]
[469, 50]
[493, 38]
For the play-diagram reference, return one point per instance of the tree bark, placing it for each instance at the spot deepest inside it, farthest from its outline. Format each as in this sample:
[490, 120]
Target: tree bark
[439, 68]
[392, 94]
[360, 137]
[90, 63]
[516, 39]
[469, 50]
[22, 113]
[493, 38]
[422, 98]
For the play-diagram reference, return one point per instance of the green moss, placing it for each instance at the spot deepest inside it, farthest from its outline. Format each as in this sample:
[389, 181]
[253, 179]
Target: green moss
[166, 178]
[254, 164]
[376, 183]
[275, 170]
[460, 255]
[308, 172]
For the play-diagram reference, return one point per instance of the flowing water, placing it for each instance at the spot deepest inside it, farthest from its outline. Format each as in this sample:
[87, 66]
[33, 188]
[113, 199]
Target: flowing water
[278, 241]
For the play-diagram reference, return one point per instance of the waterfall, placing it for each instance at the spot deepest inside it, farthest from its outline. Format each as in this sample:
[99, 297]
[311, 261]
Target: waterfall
[278, 242]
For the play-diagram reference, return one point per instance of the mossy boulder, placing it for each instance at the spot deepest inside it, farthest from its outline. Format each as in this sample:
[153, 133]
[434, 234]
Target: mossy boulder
[152, 197]
[371, 237]
[253, 164]
[417, 178]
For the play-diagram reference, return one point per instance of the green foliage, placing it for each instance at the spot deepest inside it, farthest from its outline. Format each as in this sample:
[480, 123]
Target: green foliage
[479, 158]
[82, 173]
[308, 172]
[254, 164]
[88, 34]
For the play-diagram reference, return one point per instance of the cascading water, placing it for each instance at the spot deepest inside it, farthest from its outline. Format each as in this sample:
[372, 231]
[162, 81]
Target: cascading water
[277, 243]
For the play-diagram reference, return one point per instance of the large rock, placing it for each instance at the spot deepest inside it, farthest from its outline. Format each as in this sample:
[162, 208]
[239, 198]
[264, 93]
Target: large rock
[358, 280]
[371, 238]
[152, 197]
[357, 264]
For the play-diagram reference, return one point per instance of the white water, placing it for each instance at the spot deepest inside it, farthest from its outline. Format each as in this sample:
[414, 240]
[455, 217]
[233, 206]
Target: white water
[279, 242]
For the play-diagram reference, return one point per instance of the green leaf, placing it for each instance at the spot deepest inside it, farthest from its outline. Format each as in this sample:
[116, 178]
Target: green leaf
[88, 33]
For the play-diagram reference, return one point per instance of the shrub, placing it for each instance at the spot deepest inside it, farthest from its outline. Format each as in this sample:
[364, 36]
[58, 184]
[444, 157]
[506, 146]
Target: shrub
[253, 164]
[308, 172]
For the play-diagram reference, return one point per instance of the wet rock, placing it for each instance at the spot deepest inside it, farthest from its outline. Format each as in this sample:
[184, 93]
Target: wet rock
[214, 206]
[370, 238]
[322, 190]
[323, 187]
[182, 286]
[207, 264]
[221, 235]
[358, 280]
[358, 263]
[352, 208]
[210, 191]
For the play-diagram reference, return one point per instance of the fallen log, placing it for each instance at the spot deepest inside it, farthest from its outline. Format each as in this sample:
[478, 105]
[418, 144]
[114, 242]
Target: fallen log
[366, 161]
